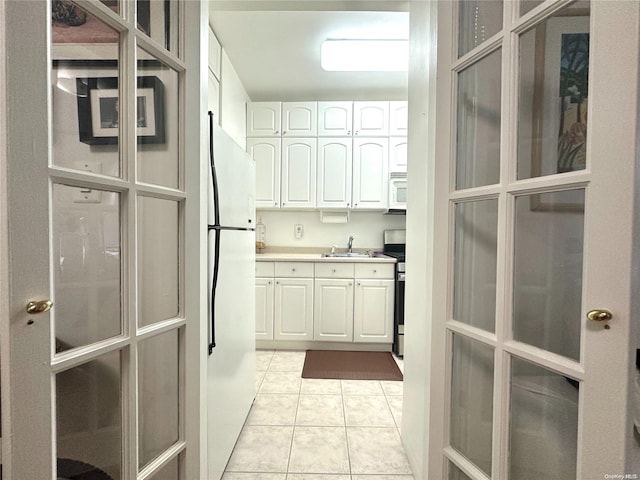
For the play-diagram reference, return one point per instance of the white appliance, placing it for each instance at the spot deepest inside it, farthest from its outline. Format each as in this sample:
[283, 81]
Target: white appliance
[398, 193]
[231, 243]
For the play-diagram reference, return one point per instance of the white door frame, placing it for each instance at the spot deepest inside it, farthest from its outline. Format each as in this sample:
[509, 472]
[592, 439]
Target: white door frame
[24, 87]
[613, 68]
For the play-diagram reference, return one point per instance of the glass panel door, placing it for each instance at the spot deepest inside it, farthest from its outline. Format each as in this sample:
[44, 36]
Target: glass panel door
[522, 197]
[104, 393]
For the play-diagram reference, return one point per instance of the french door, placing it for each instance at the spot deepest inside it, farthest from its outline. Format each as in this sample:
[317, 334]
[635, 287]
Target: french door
[539, 145]
[98, 189]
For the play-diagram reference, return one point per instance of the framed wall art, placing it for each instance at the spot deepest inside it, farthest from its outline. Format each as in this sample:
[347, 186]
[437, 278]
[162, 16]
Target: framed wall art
[99, 110]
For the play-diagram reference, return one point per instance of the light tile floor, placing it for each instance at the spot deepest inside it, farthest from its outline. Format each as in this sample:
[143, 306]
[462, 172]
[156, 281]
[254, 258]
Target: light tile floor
[307, 429]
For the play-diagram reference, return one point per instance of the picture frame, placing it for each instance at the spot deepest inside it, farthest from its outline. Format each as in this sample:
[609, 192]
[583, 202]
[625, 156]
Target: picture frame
[99, 116]
[559, 126]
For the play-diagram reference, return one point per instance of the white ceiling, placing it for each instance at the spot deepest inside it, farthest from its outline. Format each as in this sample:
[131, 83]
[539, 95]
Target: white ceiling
[276, 50]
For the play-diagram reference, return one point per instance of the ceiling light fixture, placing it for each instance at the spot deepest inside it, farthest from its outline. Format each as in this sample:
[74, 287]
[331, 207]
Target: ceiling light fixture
[364, 55]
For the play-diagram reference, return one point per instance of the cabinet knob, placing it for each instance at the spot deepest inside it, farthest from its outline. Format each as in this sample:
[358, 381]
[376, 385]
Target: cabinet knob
[356, 132]
[293, 269]
[276, 132]
[275, 203]
[284, 132]
[347, 204]
[350, 283]
[374, 271]
[334, 270]
[359, 284]
[269, 282]
[349, 132]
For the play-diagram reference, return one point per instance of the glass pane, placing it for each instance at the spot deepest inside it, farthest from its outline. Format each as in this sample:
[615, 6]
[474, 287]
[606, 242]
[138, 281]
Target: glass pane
[171, 471]
[88, 419]
[544, 424]
[478, 135]
[85, 114]
[476, 243]
[159, 19]
[472, 400]
[87, 265]
[157, 114]
[456, 474]
[158, 258]
[478, 20]
[158, 390]
[549, 239]
[553, 94]
[527, 5]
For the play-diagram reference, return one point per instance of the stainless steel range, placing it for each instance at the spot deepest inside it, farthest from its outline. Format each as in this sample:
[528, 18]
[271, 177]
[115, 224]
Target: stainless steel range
[394, 242]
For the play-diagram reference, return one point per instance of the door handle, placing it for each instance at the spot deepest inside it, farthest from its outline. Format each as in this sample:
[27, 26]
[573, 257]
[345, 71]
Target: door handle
[600, 315]
[39, 306]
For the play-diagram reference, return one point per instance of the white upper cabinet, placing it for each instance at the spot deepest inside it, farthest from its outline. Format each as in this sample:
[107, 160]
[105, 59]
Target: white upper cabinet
[266, 153]
[213, 97]
[263, 119]
[335, 160]
[215, 54]
[299, 172]
[370, 173]
[397, 154]
[335, 119]
[370, 119]
[299, 119]
[398, 118]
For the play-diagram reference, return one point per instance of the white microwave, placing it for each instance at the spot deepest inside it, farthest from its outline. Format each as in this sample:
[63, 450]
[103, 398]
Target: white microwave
[397, 192]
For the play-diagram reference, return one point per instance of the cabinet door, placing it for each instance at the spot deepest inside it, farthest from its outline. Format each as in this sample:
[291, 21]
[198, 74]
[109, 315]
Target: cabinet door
[398, 154]
[398, 119]
[370, 173]
[263, 119]
[298, 172]
[293, 309]
[215, 54]
[373, 311]
[299, 119]
[333, 310]
[335, 159]
[370, 119]
[264, 308]
[213, 97]
[335, 119]
[266, 153]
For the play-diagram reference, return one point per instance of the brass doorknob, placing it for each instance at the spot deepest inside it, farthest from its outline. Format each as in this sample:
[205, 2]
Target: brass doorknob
[39, 306]
[600, 315]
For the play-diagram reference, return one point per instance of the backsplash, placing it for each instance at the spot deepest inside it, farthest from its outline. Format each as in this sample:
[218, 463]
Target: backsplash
[366, 228]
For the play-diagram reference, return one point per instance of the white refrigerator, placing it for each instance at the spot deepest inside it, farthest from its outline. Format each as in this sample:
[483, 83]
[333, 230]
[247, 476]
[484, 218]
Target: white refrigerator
[231, 244]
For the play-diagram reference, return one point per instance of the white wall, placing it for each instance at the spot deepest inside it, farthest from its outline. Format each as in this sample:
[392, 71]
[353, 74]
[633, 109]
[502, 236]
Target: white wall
[420, 235]
[234, 98]
[366, 227]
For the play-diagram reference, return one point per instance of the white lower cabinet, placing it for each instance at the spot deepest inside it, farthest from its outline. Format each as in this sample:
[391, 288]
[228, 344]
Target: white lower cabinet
[264, 308]
[373, 311]
[333, 310]
[293, 309]
[325, 301]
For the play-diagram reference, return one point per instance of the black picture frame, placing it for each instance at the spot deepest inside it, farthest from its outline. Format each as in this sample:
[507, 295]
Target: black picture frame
[98, 114]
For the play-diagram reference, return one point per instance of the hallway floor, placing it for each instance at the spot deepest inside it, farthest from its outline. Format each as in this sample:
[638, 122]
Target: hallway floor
[307, 429]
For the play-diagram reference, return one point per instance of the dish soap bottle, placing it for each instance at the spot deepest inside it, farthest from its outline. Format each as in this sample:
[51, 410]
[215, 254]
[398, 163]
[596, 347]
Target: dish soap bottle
[261, 236]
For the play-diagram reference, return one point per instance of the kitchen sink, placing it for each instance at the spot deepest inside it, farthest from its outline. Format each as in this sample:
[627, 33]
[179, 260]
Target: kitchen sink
[346, 254]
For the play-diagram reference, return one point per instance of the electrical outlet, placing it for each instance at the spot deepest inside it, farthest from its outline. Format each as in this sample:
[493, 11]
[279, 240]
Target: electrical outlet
[298, 231]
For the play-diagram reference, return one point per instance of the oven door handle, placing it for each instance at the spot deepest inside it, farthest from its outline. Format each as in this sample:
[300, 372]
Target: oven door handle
[401, 277]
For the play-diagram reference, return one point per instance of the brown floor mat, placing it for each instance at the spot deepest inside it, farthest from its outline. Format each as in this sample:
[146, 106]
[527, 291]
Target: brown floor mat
[350, 365]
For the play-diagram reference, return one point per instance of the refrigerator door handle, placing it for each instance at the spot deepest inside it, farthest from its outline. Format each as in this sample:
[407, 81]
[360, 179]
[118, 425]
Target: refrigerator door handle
[214, 285]
[216, 209]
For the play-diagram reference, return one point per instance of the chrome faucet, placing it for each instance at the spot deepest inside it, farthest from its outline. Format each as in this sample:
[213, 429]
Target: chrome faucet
[350, 244]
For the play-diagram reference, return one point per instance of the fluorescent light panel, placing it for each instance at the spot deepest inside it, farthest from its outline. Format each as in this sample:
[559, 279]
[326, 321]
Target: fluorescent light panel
[364, 55]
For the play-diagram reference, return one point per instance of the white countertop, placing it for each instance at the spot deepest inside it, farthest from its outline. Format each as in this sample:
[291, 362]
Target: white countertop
[317, 257]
